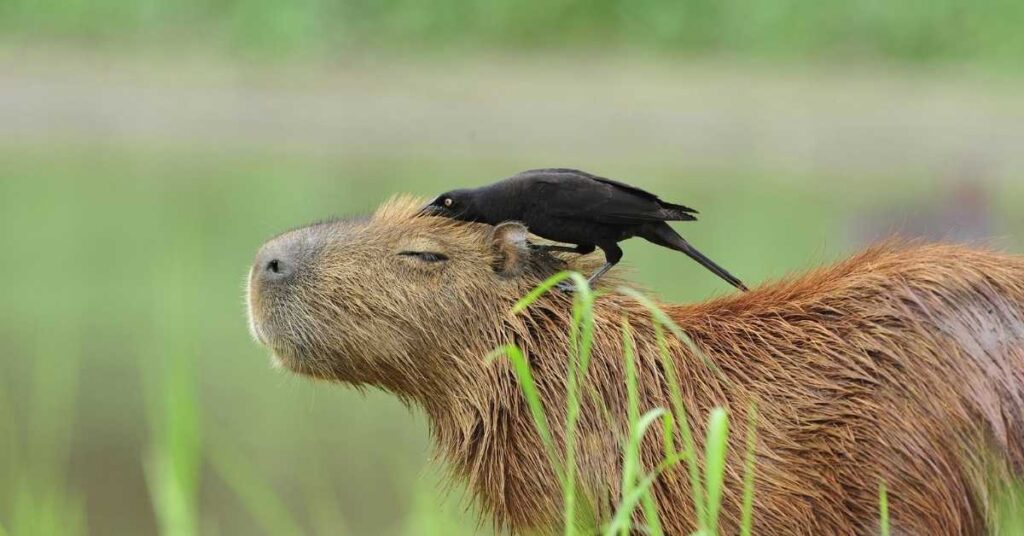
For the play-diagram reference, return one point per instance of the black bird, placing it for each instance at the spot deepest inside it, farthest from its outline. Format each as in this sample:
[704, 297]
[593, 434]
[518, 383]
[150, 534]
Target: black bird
[575, 207]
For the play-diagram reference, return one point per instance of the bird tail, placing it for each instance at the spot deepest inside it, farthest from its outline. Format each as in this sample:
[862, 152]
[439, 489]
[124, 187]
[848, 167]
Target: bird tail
[663, 235]
[674, 212]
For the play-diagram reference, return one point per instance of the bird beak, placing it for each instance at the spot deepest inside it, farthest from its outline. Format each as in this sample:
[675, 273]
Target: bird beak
[430, 209]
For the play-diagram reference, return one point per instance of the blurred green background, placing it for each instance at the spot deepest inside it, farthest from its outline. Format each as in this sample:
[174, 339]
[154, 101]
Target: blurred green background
[148, 148]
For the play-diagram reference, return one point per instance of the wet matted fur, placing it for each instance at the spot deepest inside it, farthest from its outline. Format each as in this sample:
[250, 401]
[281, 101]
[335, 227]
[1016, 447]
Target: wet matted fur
[902, 364]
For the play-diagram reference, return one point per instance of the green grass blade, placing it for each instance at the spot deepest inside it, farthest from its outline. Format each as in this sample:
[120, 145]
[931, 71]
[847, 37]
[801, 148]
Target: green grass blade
[668, 430]
[628, 504]
[541, 289]
[42, 502]
[651, 515]
[582, 332]
[173, 459]
[169, 496]
[675, 394]
[46, 510]
[580, 343]
[883, 510]
[631, 462]
[747, 512]
[567, 478]
[683, 424]
[630, 458]
[665, 320]
[540, 421]
[714, 473]
[581, 337]
[323, 507]
[255, 494]
[1007, 504]
[10, 446]
[52, 407]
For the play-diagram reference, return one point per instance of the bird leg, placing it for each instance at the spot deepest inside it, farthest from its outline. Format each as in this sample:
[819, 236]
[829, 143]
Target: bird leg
[600, 272]
[612, 256]
[568, 286]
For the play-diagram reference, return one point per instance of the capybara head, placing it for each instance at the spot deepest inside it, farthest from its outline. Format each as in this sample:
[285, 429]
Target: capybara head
[369, 300]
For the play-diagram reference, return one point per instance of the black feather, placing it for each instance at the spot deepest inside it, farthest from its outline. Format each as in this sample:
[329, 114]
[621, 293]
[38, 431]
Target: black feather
[576, 207]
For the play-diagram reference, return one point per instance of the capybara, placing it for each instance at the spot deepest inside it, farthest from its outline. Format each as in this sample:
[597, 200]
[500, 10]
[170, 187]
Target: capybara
[902, 365]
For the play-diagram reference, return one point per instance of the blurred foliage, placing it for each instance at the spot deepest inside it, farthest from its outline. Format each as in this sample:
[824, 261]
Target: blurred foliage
[916, 30]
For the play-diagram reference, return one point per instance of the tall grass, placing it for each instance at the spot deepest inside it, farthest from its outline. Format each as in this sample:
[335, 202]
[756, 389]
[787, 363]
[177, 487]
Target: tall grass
[260, 500]
[173, 459]
[41, 503]
[636, 484]
[706, 486]
[636, 429]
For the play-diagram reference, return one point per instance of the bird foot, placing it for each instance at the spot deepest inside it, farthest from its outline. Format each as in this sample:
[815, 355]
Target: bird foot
[566, 286]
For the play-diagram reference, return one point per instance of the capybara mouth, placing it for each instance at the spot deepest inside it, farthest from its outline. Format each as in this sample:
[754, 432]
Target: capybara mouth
[254, 322]
[259, 332]
[286, 347]
[255, 331]
[282, 349]
[263, 328]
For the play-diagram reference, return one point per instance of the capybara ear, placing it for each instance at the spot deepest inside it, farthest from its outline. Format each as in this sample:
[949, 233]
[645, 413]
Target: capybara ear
[511, 250]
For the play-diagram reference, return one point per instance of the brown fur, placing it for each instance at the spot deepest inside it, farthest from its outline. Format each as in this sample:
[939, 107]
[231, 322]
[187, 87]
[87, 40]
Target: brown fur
[904, 364]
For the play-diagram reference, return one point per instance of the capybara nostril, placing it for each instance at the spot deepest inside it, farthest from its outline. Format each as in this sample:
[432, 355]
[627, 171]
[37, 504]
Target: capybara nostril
[275, 265]
[279, 260]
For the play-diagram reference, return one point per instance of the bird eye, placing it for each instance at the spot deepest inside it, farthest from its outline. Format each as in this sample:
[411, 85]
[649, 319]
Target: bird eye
[448, 202]
[425, 256]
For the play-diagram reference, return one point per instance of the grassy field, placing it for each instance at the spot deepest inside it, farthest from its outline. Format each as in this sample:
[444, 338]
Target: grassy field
[132, 399]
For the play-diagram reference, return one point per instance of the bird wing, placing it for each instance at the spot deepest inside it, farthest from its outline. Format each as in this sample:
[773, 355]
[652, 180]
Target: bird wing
[584, 175]
[626, 187]
[577, 194]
